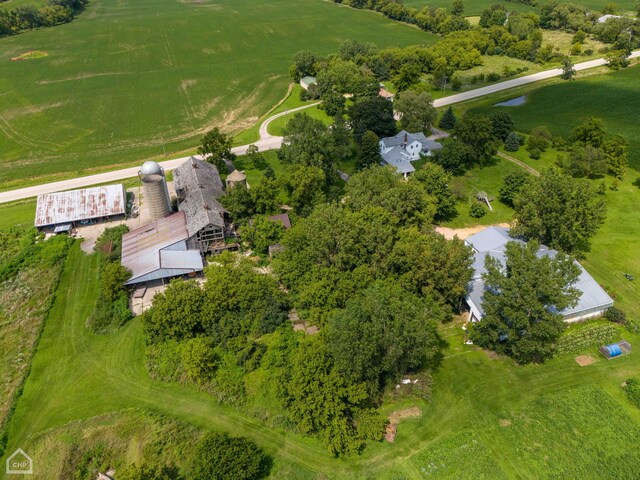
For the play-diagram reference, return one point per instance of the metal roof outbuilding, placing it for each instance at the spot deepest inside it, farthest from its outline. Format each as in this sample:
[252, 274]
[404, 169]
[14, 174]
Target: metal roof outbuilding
[77, 205]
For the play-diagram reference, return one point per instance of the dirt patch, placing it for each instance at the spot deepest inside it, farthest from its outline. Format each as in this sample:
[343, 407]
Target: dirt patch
[464, 233]
[491, 354]
[504, 422]
[395, 418]
[584, 360]
[30, 55]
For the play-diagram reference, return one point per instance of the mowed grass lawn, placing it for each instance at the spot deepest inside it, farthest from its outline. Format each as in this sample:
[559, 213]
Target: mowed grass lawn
[127, 78]
[487, 419]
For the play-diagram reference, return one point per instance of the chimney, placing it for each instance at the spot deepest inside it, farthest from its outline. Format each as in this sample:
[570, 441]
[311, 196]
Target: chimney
[406, 139]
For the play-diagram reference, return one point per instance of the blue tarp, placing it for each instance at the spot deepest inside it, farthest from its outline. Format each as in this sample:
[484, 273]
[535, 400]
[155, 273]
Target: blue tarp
[614, 350]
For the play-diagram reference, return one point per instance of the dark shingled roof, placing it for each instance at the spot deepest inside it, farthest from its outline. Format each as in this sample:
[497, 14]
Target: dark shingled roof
[199, 186]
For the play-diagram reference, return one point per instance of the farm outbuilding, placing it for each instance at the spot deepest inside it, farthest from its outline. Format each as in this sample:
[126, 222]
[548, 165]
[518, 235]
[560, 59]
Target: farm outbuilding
[593, 301]
[198, 187]
[159, 251]
[64, 210]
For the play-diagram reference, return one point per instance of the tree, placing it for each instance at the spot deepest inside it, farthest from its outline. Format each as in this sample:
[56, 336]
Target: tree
[333, 103]
[239, 202]
[615, 149]
[454, 157]
[407, 202]
[374, 114]
[305, 186]
[262, 233]
[559, 211]
[418, 112]
[539, 140]
[112, 278]
[304, 64]
[568, 72]
[308, 142]
[617, 59]
[254, 155]
[457, 9]
[436, 182]
[585, 161]
[264, 197]
[176, 313]
[323, 402]
[428, 264]
[501, 124]
[590, 132]
[383, 333]
[408, 75]
[216, 148]
[448, 120]
[518, 320]
[219, 456]
[475, 131]
[369, 153]
[513, 184]
[512, 142]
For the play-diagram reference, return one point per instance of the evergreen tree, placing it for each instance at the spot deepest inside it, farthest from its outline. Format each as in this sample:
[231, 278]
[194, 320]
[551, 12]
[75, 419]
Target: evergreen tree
[512, 142]
[448, 120]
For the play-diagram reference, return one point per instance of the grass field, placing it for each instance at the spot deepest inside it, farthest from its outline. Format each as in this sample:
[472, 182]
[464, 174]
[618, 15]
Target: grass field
[126, 79]
[549, 409]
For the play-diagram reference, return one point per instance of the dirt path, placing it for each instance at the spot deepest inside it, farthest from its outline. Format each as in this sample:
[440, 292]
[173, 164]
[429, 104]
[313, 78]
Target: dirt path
[520, 163]
[464, 233]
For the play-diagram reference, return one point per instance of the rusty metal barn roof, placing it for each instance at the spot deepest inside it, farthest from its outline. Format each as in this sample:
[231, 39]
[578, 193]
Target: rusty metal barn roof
[141, 247]
[84, 204]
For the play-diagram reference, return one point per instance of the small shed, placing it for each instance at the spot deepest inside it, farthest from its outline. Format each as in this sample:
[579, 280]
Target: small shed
[615, 349]
[236, 177]
[306, 82]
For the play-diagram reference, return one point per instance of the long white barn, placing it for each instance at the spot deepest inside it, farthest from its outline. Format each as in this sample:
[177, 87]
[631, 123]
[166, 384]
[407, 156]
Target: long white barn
[593, 302]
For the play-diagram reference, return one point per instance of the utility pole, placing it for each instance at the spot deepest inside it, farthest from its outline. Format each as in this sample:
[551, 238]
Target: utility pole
[444, 82]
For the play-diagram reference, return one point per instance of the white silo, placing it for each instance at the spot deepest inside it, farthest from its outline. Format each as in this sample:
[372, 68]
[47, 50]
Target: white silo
[156, 194]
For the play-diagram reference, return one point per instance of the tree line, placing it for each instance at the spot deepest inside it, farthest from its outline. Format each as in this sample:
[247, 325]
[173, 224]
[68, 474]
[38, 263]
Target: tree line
[29, 17]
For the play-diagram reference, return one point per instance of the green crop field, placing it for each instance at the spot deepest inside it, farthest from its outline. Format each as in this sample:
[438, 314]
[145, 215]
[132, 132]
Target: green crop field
[487, 416]
[128, 80]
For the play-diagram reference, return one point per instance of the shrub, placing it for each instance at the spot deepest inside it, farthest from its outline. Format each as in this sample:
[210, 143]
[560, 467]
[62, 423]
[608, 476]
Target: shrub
[222, 457]
[632, 389]
[616, 315]
[477, 210]
[535, 153]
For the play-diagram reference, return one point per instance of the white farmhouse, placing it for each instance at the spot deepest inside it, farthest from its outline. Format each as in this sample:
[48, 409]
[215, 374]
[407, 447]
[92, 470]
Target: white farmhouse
[404, 148]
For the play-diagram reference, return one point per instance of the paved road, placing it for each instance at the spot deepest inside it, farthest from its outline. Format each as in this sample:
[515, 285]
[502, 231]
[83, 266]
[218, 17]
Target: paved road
[517, 82]
[269, 142]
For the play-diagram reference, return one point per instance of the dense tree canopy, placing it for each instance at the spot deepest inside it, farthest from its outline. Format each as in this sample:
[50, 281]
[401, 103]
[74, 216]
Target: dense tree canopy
[382, 333]
[559, 211]
[436, 182]
[518, 320]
